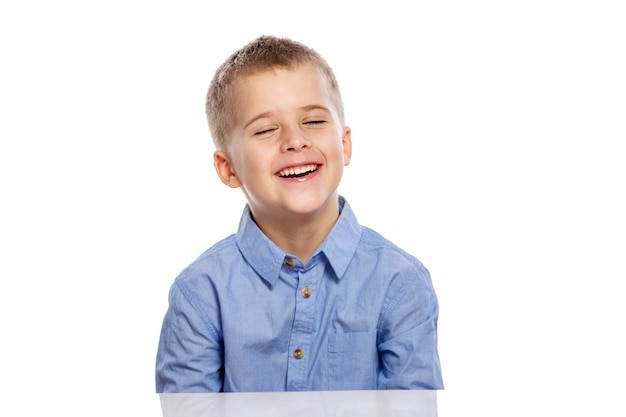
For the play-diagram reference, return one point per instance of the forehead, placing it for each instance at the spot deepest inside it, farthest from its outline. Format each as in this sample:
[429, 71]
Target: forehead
[280, 89]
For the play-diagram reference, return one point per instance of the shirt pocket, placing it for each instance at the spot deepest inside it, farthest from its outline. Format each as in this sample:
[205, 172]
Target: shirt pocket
[352, 361]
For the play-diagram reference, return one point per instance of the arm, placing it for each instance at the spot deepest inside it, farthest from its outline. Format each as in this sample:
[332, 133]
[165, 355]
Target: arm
[407, 341]
[190, 353]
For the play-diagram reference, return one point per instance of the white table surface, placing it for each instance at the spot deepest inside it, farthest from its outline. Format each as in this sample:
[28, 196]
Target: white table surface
[384, 403]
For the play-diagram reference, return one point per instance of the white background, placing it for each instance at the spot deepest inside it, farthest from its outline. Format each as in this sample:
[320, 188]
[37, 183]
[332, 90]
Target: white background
[488, 141]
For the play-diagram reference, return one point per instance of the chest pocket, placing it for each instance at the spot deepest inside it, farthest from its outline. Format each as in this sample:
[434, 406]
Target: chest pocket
[352, 361]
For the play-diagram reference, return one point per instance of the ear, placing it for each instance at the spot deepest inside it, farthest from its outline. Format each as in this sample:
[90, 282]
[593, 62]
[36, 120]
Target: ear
[346, 142]
[224, 169]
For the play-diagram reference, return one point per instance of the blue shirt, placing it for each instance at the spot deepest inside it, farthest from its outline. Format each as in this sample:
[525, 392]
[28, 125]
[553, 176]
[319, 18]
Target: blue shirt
[246, 316]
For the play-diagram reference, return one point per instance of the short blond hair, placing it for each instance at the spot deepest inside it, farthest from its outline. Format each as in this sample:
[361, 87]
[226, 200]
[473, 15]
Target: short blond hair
[262, 54]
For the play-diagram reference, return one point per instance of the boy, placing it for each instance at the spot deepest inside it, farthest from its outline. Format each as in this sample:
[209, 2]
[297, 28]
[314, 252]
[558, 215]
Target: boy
[302, 297]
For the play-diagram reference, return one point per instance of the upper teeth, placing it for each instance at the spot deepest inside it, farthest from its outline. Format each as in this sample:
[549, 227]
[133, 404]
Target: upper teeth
[297, 170]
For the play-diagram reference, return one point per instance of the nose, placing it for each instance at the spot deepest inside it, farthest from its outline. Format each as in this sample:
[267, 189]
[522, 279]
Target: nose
[294, 140]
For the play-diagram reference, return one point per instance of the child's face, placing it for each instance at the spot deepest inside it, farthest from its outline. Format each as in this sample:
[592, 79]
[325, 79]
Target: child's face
[288, 147]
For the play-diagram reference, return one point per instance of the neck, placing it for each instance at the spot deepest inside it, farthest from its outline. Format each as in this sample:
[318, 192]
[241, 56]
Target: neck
[300, 234]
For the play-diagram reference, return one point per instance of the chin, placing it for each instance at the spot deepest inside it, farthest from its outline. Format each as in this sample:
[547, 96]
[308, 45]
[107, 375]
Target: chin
[311, 205]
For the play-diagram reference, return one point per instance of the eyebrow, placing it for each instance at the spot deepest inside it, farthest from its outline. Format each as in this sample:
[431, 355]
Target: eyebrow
[303, 108]
[315, 107]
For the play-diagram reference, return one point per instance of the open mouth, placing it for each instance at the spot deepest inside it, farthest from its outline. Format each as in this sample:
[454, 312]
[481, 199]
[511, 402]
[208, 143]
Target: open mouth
[298, 172]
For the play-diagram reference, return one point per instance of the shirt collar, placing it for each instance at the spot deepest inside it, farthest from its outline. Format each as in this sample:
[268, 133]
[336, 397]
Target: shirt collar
[342, 241]
[267, 259]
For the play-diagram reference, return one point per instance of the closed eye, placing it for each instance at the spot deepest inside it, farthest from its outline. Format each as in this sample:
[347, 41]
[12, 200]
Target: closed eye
[315, 122]
[263, 132]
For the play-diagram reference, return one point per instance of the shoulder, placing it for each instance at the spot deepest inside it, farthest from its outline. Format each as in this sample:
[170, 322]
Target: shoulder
[212, 264]
[393, 267]
[375, 244]
[224, 250]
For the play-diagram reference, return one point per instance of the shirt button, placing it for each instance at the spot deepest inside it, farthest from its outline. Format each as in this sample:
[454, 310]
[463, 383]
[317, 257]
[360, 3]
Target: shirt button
[290, 262]
[306, 292]
[298, 353]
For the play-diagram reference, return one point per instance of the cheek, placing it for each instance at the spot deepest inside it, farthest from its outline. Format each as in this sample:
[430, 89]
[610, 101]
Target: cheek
[254, 161]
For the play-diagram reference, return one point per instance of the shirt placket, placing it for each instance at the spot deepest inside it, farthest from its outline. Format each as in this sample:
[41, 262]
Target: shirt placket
[300, 341]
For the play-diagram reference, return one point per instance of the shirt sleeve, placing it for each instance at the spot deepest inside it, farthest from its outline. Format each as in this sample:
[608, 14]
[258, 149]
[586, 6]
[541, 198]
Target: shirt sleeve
[190, 352]
[407, 341]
